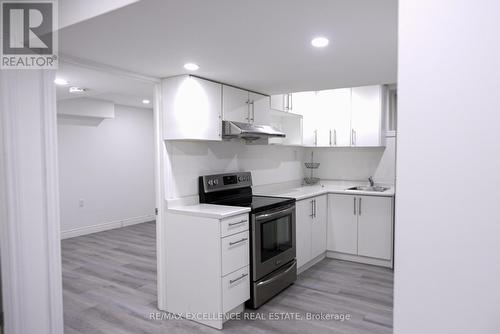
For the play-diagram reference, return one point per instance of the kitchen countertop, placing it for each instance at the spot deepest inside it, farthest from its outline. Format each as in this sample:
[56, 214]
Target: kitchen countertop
[209, 210]
[324, 187]
[188, 207]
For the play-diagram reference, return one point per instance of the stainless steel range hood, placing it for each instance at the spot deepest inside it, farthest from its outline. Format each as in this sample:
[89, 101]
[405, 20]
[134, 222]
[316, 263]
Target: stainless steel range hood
[249, 132]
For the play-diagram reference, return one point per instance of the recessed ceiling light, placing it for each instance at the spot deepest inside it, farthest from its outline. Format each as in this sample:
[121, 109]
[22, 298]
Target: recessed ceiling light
[77, 90]
[319, 42]
[191, 66]
[61, 81]
[146, 101]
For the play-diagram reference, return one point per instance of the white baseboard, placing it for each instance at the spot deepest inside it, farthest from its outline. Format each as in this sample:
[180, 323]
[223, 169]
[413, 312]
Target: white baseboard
[359, 259]
[105, 226]
[311, 263]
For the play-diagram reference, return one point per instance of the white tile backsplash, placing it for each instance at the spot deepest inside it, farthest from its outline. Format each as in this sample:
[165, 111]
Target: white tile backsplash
[268, 163]
[272, 164]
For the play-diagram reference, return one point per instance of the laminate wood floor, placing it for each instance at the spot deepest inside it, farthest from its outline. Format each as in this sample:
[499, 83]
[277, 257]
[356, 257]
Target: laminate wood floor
[109, 286]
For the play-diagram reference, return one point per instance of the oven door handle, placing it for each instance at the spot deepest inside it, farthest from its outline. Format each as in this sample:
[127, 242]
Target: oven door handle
[278, 276]
[274, 214]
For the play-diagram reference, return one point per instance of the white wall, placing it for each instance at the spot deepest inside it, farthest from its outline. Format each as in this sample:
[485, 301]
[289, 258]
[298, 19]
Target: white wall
[356, 163]
[110, 166]
[447, 270]
[268, 164]
[29, 202]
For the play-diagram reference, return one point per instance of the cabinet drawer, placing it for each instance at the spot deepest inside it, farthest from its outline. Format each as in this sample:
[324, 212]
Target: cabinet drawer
[234, 225]
[235, 289]
[235, 252]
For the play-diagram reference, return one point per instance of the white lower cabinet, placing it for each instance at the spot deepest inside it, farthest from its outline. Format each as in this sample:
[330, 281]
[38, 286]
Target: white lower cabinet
[206, 263]
[375, 227]
[235, 288]
[360, 225]
[342, 224]
[235, 252]
[311, 220]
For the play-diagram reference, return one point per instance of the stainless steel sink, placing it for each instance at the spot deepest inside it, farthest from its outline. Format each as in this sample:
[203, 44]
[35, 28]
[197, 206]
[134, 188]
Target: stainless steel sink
[369, 188]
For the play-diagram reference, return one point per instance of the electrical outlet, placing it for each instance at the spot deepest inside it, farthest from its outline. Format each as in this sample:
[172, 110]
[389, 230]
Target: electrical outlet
[81, 203]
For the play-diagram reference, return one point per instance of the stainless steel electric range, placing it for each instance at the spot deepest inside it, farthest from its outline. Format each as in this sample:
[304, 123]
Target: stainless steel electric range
[272, 232]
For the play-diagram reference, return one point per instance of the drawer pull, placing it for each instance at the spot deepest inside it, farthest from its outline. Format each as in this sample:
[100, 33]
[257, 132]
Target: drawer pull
[237, 279]
[237, 223]
[237, 242]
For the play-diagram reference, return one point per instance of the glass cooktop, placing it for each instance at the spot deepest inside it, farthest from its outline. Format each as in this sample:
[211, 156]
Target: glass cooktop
[257, 203]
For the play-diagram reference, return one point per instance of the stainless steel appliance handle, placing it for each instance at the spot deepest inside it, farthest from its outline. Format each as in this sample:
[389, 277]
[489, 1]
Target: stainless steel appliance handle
[237, 242]
[231, 281]
[352, 137]
[330, 137]
[335, 137]
[278, 276]
[359, 210]
[314, 208]
[274, 214]
[354, 206]
[315, 137]
[237, 223]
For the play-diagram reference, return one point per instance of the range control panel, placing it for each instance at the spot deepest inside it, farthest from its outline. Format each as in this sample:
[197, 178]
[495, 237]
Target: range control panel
[219, 182]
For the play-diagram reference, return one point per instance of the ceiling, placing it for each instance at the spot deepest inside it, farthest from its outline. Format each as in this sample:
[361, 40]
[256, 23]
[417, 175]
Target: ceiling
[102, 85]
[260, 44]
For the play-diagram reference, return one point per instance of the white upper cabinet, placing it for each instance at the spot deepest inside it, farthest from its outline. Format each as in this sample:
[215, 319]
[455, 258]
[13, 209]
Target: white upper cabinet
[288, 123]
[334, 117]
[235, 104]
[240, 105]
[281, 102]
[191, 109]
[259, 108]
[367, 116]
[304, 103]
[341, 117]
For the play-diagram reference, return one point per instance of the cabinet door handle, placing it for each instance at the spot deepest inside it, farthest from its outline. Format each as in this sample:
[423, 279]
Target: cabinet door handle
[354, 213]
[237, 223]
[315, 137]
[359, 210]
[330, 137]
[237, 242]
[253, 111]
[353, 142]
[290, 105]
[237, 279]
[248, 111]
[335, 137]
[285, 102]
[312, 209]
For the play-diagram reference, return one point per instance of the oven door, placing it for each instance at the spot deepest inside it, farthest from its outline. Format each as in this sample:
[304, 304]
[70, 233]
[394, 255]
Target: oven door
[273, 240]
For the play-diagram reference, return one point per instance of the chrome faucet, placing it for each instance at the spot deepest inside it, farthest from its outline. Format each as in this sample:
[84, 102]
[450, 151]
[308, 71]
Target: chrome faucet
[370, 179]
